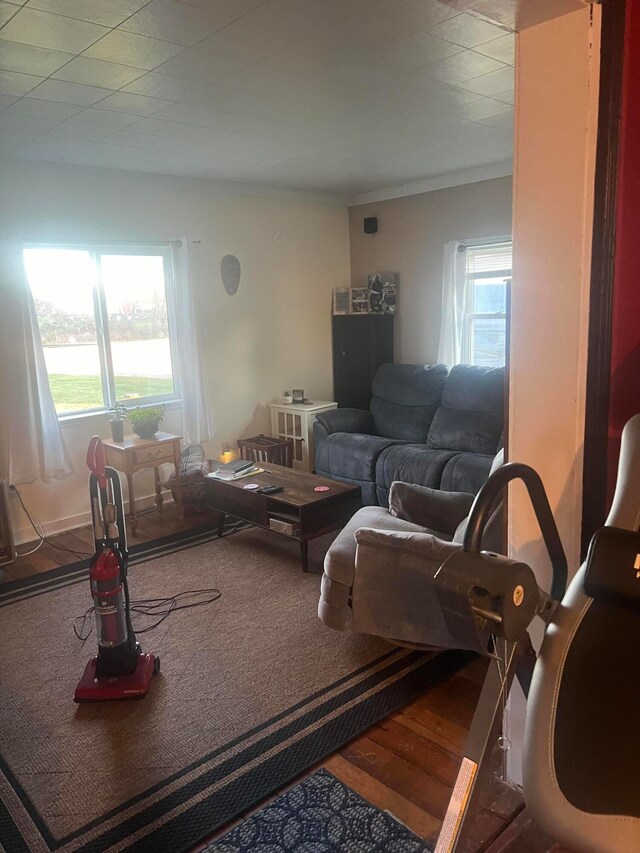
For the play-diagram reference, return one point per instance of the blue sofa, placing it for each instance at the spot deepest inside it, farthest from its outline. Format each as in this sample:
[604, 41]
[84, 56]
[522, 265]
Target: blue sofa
[425, 425]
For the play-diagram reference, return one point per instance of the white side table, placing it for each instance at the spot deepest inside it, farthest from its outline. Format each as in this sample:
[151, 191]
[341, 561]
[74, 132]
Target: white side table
[295, 421]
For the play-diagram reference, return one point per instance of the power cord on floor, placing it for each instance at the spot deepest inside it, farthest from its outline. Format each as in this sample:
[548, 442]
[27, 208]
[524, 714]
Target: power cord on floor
[158, 608]
[41, 534]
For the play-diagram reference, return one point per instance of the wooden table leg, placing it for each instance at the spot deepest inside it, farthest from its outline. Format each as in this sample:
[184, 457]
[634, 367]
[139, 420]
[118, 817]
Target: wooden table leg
[176, 459]
[159, 500]
[221, 518]
[304, 553]
[132, 504]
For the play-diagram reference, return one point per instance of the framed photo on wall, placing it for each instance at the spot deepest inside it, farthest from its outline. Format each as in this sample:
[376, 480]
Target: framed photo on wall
[383, 289]
[359, 300]
[341, 300]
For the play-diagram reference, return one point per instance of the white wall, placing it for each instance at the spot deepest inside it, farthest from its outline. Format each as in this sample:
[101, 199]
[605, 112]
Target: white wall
[557, 67]
[274, 334]
[412, 232]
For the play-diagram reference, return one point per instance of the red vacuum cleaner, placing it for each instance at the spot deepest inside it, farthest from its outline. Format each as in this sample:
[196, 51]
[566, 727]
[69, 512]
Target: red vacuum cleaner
[120, 670]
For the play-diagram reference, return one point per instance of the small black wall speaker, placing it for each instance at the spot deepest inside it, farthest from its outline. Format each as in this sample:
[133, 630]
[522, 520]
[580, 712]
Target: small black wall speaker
[370, 224]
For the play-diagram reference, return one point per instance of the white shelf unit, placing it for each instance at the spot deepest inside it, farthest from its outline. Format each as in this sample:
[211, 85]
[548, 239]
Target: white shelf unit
[295, 421]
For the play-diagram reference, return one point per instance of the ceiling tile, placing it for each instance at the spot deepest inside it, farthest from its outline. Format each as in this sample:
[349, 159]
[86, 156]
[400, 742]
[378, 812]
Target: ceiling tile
[505, 97]
[12, 83]
[495, 83]
[124, 102]
[163, 143]
[131, 49]
[481, 109]
[30, 26]
[97, 72]
[31, 60]
[42, 109]
[70, 93]
[222, 120]
[467, 30]
[416, 14]
[275, 26]
[173, 21]
[5, 100]
[69, 130]
[109, 13]
[502, 121]
[460, 67]
[13, 142]
[189, 133]
[415, 52]
[26, 124]
[103, 118]
[7, 11]
[503, 48]
[234, 8]
[201, 64]
[298, 93]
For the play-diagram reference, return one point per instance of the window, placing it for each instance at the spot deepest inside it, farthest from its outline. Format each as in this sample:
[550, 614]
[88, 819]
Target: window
[488, 275]
[106, 321]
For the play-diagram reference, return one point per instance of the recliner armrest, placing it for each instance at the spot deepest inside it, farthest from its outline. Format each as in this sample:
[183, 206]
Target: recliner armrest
[432, 508]
[345, 420]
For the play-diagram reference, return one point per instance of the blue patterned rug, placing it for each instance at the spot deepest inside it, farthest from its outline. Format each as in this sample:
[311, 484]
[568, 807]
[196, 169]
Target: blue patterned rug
[320, 815]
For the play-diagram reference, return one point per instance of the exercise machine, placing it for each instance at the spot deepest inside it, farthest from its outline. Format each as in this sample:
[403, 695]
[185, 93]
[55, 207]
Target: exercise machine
[582, 740]
[120, 670]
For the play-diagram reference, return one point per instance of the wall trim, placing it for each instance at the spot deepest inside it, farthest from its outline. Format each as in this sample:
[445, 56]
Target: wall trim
[439, 182]
[25, 534]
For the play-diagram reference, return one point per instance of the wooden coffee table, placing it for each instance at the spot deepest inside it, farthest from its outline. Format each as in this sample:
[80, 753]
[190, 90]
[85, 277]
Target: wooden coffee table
[310, 513]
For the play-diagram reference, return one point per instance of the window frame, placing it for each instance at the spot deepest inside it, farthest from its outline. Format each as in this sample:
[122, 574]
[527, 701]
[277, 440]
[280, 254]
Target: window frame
[469, 314]
[103, 339]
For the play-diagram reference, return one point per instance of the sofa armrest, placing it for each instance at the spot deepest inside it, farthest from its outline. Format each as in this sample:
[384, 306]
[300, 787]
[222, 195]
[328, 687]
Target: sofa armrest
[432, 508]
[343, 420]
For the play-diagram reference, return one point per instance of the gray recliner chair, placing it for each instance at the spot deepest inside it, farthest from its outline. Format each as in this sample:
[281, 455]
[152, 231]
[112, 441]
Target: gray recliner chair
[375, 570]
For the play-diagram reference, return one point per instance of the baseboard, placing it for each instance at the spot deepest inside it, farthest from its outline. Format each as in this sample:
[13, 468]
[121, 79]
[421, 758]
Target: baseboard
[26, 533]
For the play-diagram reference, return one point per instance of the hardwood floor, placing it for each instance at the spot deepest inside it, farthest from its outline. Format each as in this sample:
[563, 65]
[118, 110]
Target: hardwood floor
[406, 764]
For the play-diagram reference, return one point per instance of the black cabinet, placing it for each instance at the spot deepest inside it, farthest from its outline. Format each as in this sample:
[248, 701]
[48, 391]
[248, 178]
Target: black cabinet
[361, 343]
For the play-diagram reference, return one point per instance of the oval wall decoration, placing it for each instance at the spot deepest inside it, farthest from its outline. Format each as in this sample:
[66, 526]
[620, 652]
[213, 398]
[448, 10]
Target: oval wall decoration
[230, 272]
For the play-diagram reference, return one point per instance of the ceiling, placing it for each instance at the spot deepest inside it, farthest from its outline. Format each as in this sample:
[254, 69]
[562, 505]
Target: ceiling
[338, 96]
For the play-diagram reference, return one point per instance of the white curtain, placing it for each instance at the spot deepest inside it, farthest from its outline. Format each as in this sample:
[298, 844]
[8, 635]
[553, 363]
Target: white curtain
[31, 444]
[453, 303]
[197, 418]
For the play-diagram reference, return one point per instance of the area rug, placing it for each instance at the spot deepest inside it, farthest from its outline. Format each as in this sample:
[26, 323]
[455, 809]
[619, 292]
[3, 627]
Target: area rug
[253, 691]
[320, 815]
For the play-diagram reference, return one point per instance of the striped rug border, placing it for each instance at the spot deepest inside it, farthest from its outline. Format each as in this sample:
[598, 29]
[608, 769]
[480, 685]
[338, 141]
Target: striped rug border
[394, 679]
[11, 591]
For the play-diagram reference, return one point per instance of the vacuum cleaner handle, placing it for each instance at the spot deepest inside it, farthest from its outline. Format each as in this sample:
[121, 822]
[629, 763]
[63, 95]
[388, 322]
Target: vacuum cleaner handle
[97, 460]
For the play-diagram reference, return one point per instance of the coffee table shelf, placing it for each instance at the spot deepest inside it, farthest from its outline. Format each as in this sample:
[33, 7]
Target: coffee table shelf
[311, 513]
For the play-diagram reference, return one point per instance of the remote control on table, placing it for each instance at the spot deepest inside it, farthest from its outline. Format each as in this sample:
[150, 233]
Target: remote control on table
[271, 490]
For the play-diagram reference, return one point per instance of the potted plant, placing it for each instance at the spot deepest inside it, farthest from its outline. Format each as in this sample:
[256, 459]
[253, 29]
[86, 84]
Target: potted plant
[117, 421]
[287, 397]
[145, 422]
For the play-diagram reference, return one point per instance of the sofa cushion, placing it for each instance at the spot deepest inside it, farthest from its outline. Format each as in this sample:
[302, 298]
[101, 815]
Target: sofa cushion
[405, 399]
[410, 463]
[466, 472]
[431, 508]
[471, 417]
[350, 455]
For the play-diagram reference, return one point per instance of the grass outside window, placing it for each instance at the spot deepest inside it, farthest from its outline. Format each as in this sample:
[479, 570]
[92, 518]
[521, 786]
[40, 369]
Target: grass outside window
[75, 393]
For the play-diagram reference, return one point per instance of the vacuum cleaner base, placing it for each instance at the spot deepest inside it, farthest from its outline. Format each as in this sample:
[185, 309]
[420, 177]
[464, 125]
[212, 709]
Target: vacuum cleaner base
[134, 686]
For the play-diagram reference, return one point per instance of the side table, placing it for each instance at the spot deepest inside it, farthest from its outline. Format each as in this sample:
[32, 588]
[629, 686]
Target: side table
[295, 421]
[133, 454]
